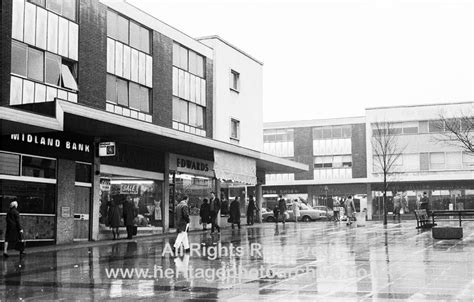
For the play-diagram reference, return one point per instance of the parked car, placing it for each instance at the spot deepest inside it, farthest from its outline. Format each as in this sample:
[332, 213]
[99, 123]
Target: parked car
[306, 214]
[324, 212]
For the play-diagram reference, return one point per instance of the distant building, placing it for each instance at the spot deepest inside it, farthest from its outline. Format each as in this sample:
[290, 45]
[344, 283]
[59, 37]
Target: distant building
[341, 160]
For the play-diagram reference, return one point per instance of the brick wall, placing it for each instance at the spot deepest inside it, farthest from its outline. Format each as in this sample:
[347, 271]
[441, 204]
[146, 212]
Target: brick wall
[66, 198]
[162, 80]
[359, 151]
[303, 150]
[5, 51]
[92, 53]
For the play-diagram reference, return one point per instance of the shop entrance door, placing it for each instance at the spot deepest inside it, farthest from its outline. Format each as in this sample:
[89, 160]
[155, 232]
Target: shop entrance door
[81, 213]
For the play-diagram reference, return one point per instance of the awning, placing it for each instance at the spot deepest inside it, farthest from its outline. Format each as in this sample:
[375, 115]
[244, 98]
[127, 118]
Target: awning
[234, 167]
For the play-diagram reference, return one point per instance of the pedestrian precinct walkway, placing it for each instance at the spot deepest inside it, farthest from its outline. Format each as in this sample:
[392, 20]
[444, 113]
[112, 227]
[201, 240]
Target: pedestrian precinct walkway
[323, 261]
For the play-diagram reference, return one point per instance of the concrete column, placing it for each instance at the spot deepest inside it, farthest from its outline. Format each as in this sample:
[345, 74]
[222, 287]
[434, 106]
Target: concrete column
[95, 204]
[259, 201]
[165, 196]
[66, 199]
[369, 202]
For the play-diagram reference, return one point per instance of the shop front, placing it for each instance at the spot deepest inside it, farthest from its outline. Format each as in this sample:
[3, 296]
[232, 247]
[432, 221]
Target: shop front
[194, 178]
[289, 193]
[50, 175]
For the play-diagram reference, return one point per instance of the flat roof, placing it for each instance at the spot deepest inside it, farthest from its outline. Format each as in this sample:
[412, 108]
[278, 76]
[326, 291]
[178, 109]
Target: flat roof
[316, 122]
[419, 105]
[216, 37]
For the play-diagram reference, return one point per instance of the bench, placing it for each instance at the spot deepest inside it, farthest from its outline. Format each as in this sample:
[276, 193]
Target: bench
[422, 220]
[451, 213]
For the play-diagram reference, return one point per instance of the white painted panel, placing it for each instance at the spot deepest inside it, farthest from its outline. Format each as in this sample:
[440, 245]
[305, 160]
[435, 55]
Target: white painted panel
[28, 92]
[40, 93]
[186, 85]
[203, 92]
[73, 40]
[141, 68]
[119, 59]
[16, 91]
[41, 27]
[126, 62]
[17, 19]
[175, 81]
[51, 94]
[30, 23]
[149, 71]
[52, 33]
[192, 88]
[134, 66]
[63, 36]
[110, 56]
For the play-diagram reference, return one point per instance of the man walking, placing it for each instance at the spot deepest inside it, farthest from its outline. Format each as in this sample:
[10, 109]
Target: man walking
[182, 220]
[251, 211]
[282, 208]
[215, 206]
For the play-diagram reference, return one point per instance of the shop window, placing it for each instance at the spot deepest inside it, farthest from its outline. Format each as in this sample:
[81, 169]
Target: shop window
[38, 167]
[9, 164]
[84, 172]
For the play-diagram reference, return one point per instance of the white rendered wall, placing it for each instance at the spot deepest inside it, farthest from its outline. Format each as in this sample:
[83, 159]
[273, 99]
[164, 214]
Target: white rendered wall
[246, 105]
[418, 143]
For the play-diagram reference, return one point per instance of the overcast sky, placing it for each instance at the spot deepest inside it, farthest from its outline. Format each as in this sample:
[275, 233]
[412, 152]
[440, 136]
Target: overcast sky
[334, 58]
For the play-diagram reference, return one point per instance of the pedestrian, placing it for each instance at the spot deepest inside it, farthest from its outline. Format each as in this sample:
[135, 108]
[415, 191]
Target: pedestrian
[235, 212]
[425, 203]
[129, 213]
[14, 231]
[182, 225]
[282, 208]
[275, 213]
[397, 206]
[350, 209]
[336, 207]
[296, 209]
[251, 209]
[205, 213]
[114, 217]
[215, 206]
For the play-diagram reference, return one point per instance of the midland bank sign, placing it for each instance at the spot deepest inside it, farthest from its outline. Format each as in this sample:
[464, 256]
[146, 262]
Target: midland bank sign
[51, 142]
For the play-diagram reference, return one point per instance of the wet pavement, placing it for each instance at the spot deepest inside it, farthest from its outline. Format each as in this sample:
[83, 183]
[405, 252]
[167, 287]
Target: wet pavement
[324, 261]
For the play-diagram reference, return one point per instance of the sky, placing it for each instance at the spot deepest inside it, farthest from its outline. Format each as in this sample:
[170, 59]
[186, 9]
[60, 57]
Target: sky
[334, 58]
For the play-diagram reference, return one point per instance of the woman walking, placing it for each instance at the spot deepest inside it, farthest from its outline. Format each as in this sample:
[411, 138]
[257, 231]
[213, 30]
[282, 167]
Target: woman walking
[205, 214]
[114, 217]
[14, 231]
[296, 209]
[350, 209]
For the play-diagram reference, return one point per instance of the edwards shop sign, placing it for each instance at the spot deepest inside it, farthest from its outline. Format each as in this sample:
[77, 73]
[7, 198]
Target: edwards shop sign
[191, 165]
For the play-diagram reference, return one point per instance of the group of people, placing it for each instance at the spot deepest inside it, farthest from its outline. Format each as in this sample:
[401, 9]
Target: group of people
[346, 207]
[129, 214]
[209, 211]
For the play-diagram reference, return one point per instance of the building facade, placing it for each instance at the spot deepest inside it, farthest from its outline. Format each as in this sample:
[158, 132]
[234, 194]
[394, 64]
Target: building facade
[103, 104]
[342, 161]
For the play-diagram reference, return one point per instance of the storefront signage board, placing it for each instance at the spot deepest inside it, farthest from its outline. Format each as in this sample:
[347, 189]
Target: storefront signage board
[105, 184]
[191, 165]
[128, 188]
[107, 149]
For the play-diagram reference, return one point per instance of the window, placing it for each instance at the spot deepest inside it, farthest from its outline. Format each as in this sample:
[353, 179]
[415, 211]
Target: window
[410, 127]
[437, 160]
[52, 69]
[65, 8]
[453, 160]
[436, 126]
[467, 160]
[38, 167]
[68, 78]
[35, 64]
[234, 80]
[128, 94]
[9, 164]
[83, 172]
[19, 58]
[128, 32]
[234, 129]
[188, 60]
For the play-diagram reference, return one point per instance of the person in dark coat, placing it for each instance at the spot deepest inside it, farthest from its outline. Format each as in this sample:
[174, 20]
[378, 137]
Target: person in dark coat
[282, 208]
[14, 231]
[129, 213]
[182, 221]
[215, 206]
[114, 217]
[251, 208]
[205, 214]
[235, 212]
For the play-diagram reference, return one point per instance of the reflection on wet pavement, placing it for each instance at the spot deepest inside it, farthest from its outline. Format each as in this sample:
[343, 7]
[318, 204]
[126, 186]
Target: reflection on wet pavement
[308, 261]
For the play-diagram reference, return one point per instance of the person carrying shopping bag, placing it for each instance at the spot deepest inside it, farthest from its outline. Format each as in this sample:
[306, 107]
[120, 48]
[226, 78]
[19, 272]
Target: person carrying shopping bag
[182, 225]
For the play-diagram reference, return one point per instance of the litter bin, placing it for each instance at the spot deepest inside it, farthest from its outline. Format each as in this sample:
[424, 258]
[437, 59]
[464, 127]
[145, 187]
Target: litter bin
[360, 218]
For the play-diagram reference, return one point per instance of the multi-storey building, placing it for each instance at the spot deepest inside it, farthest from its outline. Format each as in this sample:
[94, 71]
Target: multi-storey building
[340, 154]
[100, 102]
